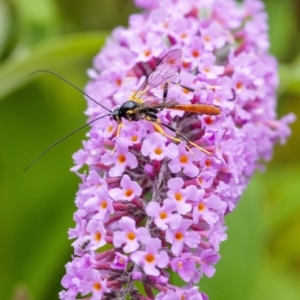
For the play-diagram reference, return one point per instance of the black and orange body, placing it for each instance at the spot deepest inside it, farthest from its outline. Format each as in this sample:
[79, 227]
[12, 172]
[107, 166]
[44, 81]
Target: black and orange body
[145, 104]
[150, 98]
[152, 95]
[135, 111]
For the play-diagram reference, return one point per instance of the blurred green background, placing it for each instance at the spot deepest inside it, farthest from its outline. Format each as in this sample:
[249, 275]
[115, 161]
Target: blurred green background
[261, 258]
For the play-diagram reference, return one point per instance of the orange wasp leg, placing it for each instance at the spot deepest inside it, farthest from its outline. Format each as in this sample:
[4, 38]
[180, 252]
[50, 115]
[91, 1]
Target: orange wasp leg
[160, 130]
[120, 125]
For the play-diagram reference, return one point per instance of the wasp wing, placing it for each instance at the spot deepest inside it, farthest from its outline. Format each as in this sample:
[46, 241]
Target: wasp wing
[155, 105]
[200, 109]
[152, 89]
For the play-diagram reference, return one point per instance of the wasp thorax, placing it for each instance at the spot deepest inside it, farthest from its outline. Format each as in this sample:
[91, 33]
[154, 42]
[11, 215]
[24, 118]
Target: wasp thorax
[128, 105]
[126, 111]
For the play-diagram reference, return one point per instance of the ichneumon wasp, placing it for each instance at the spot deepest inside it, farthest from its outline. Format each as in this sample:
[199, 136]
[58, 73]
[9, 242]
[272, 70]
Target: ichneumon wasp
[150, 98]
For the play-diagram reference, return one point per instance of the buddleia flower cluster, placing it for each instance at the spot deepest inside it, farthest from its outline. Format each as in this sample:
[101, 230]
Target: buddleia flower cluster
[149, 205]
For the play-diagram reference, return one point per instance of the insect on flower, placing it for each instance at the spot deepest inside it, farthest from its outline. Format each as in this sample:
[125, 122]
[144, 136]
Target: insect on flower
[150, 98]
[85, 244]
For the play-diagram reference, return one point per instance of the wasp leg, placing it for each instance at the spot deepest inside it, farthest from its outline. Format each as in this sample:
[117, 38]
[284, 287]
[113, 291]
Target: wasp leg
[165, 94]
[184, 87]
[120, 125]
[209, 87]
[178, 140]
[160, 130]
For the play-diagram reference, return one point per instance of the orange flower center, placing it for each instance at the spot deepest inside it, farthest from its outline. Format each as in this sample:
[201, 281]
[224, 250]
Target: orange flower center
[149, 258]
[121, 158]
[134, 138]
[118, 82]
[128, 192]
[180, 265]
[208, 120]
[196, 53]
[239, 85]
[121, 260]
[131, 236]
[171, 61]
[184, 35]
[184, 159]
[97, 236]
[147, 53]
[178, 196]
[207, 38]
[97, 286]
[110, 128]
[163, 215]
[158, 151]
[208, 163]
[201, 206]
[185, 91]
[104, 204]
[185, 64]
[178, 236]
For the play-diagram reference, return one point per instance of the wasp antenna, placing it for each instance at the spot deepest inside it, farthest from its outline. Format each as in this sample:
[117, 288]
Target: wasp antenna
[62, 139]
[71, 84]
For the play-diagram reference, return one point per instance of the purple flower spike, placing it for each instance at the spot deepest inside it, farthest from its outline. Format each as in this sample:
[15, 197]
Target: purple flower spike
[192, 91]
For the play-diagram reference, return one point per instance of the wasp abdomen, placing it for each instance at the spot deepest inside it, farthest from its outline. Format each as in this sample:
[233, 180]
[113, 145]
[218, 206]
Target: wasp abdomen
[204, 109]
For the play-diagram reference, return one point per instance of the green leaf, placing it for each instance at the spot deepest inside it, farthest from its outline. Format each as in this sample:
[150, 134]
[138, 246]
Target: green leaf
[283, 28]
[36, 21]
[241, 254]
[57, 53]
[5, 22]
[285, 206]
[275, 284]
[290, 77]
[38, 205]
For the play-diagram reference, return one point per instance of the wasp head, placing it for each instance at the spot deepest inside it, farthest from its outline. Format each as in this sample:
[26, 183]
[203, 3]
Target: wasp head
[117, 115]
